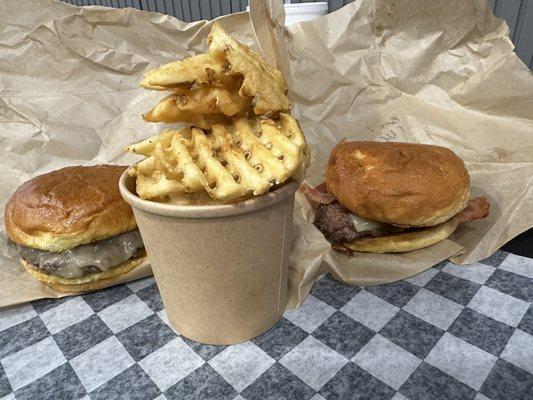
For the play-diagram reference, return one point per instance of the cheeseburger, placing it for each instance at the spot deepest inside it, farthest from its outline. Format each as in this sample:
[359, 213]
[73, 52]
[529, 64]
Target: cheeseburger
[72, 230]
[392, 197]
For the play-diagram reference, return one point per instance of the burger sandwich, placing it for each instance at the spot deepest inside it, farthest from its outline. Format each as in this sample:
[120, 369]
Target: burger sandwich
[392, 197]
[72, 230]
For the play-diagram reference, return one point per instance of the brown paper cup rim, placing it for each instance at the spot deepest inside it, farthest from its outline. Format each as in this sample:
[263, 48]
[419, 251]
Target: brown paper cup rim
[127, 182]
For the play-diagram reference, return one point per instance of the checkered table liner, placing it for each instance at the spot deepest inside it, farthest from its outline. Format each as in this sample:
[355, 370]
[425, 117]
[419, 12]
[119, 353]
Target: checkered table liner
[449, 333]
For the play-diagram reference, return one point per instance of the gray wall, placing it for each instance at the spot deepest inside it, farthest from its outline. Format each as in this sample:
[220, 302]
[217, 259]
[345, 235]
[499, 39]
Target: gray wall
[517, 13]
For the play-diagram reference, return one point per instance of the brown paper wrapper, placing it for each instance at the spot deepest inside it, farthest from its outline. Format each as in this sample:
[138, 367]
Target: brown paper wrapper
[69, 95]
[368, 72]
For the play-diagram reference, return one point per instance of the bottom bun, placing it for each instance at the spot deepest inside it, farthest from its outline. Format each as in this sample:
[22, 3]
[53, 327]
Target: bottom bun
[97, 280]
[407, 241]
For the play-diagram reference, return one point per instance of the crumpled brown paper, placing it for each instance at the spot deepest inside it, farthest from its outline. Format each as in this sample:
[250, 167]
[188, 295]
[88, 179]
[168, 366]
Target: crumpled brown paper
[433, 71]
[439, 71]
[69, 95]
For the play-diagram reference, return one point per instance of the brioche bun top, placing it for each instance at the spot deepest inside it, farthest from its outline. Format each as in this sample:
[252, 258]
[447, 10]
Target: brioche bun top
[403, 184]
[68, 207]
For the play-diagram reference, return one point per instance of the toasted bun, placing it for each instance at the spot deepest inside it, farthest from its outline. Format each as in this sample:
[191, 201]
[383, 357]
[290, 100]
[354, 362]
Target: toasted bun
[68, 207]
[398, 183]
[88, 283]
[401, 242]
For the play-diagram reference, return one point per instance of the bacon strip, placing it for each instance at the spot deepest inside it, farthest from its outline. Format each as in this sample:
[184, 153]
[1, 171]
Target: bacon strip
[317, 195]
[476, 208]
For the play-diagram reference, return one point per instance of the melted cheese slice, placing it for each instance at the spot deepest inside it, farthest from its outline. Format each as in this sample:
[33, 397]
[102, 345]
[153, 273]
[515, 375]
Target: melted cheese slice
[362, 224]
[104, 254]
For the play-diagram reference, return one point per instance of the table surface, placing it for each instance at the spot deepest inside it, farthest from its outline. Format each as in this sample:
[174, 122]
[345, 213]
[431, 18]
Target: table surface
[452, 332]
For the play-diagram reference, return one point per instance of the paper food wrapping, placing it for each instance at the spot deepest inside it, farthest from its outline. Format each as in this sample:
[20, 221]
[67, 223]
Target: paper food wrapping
[438, 72]
[434, 72]
[69, 95]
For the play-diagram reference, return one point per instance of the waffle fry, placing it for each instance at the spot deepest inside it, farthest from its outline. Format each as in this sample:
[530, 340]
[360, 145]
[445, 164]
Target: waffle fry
[203, 107]
[229, 163]
[232, 152]
[229, 64]
[168, 111]
[202, 69]
[261, 81]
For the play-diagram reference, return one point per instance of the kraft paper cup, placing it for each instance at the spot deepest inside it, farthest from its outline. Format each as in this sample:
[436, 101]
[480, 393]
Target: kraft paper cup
[222, 270]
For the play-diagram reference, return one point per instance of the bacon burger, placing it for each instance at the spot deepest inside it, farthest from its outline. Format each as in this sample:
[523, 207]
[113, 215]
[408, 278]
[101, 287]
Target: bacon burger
[392, 197]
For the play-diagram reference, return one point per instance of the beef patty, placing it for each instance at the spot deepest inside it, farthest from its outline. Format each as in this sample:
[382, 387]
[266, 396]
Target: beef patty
[334, 222]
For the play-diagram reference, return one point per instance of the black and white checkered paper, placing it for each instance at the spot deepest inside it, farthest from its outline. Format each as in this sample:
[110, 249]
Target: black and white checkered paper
[452, 332]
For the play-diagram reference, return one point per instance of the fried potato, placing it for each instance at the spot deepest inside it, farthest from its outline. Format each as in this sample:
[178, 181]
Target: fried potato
[261, 81]
[204, 107]
[167, 110]
[229, 163]
[230, 153]
[146, 147]
[228, 65]
[202, 69]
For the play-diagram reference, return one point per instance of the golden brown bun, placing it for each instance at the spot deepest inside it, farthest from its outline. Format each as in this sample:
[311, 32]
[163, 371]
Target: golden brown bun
[68, 207]
[407, 241]
[88, 283]
[398, 183]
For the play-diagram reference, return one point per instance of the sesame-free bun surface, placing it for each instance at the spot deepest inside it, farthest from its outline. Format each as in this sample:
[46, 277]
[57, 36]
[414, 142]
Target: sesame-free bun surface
[406, 241]
[68, 207]
[95, 281]
[398, 183]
